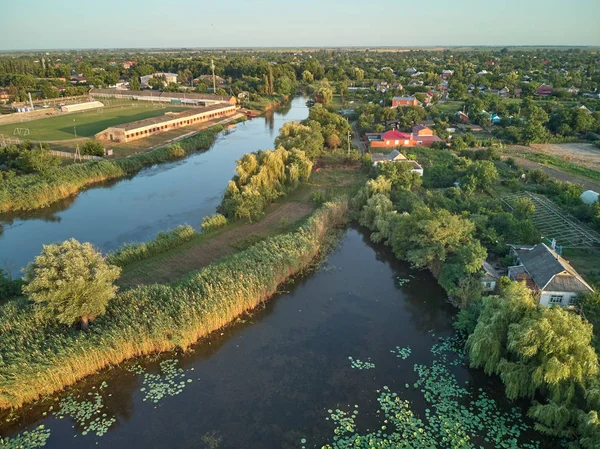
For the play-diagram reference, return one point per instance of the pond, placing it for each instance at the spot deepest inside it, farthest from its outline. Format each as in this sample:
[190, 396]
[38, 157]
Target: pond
[157, 198]
[360, 327]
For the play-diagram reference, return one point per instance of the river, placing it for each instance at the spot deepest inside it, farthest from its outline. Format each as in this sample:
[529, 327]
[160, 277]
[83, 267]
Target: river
[135, 209]
[276, 377]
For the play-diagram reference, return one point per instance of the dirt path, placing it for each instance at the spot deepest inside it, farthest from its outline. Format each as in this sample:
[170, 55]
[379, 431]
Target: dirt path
[168, 267]
[585, 154]
[557, 174]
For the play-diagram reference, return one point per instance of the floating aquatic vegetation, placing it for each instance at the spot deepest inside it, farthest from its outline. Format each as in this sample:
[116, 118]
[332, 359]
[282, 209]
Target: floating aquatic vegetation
[30, 439]
[89, 414]
[402, 281]
[359, 364]
[452, 345]
[401, 353]
[169, 382]
[455, 418]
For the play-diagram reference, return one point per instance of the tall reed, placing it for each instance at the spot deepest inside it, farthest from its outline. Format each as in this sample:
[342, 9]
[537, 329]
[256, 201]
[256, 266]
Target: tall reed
[38, 358]
[39, 190]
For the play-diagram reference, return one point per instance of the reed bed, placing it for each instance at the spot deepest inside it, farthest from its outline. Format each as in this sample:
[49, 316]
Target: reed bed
[40, 190]
[38, 358]
[163, 242]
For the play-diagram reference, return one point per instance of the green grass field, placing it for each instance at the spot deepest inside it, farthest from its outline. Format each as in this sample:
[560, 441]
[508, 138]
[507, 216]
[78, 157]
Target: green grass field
[88, 123]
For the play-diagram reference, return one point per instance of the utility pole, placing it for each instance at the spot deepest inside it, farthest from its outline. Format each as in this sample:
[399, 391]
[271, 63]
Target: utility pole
[74, 128]
[212, 65]
[349, 134]
[30, 100]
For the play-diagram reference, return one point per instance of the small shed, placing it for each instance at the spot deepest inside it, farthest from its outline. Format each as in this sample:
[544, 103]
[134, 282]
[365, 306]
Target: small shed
[589, 197]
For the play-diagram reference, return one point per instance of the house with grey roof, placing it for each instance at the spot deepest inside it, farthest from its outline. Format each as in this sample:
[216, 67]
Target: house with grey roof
[489, 277]
[552, 278]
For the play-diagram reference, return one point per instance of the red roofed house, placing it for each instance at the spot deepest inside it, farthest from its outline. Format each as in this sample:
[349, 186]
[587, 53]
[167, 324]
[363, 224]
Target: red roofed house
[462, 116]
[421, 136]
[405, 101]
[544, 90]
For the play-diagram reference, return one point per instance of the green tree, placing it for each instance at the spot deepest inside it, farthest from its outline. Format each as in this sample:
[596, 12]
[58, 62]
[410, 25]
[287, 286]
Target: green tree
[324, 94]
[524, 208]
[134, 83]
[71, 282]
[92, 147]
[307, 77]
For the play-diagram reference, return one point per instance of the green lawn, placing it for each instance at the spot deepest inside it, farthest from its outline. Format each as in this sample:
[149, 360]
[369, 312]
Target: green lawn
[60, 127]
[450, 106]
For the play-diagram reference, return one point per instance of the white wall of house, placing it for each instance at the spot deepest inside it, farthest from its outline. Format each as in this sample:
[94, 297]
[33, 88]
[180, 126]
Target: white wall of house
[489, 285]
[557, 298]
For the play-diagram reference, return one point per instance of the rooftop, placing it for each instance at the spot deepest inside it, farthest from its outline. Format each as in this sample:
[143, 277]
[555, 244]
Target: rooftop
[168, 117]
[549, 271]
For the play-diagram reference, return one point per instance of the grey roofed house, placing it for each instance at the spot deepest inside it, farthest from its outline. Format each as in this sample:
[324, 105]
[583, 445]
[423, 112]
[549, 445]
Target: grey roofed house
[555, 279]
[489, 276]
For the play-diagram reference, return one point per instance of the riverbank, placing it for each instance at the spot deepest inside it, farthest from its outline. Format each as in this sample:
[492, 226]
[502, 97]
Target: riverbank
[30, 192]
[154, 318]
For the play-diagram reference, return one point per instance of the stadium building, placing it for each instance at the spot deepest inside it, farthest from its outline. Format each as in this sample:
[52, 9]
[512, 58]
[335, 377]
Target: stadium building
[167, 122]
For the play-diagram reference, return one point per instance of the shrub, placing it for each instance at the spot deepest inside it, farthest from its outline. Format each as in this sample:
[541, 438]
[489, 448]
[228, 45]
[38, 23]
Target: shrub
[214, 221]
[176, 151]
[164, 241]
[92, 147]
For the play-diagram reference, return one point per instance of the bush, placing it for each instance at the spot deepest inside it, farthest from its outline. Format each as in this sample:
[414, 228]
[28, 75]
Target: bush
[92, 147]
[317, 197]
[213, 222]
[176, 151]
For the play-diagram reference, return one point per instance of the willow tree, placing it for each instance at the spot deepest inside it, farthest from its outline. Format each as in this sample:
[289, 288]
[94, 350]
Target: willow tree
[71, 282]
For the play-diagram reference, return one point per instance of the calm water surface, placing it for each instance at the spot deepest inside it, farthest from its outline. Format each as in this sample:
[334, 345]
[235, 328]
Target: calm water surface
[158, 198]
[268, 380]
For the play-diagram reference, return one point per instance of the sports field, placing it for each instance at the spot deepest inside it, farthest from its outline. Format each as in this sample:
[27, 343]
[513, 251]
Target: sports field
[88, 123]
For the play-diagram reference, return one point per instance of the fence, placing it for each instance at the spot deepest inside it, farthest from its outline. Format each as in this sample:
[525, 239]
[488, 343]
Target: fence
[552, 222]
[67, 155]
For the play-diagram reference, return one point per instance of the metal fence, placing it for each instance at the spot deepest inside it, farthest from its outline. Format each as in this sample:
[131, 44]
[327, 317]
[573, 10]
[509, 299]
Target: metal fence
[553, 223]
[67, 155]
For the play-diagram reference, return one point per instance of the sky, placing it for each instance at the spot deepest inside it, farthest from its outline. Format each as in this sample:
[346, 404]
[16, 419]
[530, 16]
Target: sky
[65, 24]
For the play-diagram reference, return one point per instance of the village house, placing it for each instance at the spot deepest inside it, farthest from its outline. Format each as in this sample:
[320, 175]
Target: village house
[544, 90]
[4, 96]
[381, 86]
[447, 73]
[553, 280]
[489, 277]
[573, 90]
[462, 116]
[420, 136]
[504, 92]
[396, 156]
[397, 86]
[416, 83]
[517, 92]
[410, 71]
[405, 101]
[127, 64]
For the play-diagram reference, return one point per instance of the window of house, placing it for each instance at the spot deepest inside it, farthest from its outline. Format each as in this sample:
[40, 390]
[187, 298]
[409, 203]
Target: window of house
[419, 142]
[556, 299]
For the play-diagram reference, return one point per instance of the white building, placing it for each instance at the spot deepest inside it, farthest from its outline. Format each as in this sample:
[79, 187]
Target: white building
[168, 77]
[552, 278]
[395, 156]
[589, 197]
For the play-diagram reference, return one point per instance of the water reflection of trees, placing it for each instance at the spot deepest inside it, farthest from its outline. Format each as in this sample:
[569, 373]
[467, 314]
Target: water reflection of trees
[425, 299]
